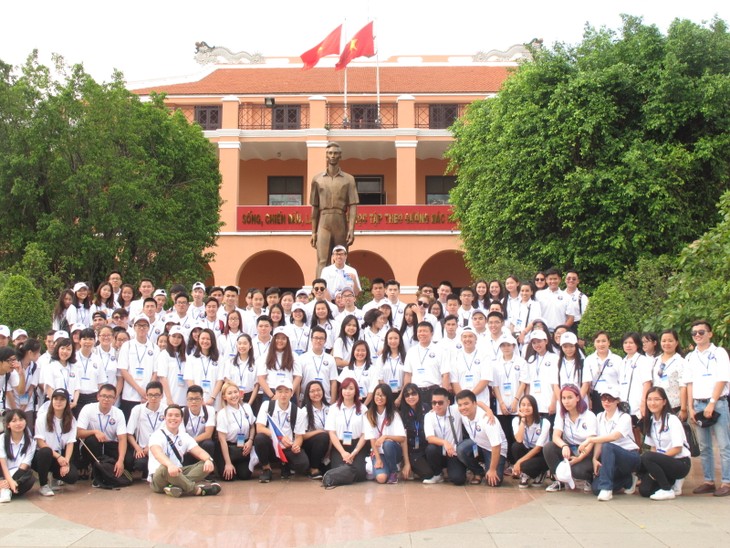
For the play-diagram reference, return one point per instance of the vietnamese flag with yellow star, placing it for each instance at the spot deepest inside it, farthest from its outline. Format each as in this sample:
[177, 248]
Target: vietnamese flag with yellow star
[328, 46]
[360, 45]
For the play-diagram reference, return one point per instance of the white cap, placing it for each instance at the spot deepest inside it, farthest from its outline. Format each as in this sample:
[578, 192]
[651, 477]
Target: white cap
[60, 334]
[80, 285]
[564, 474]
[4, 331]
[538, 335]
[568, 338]
[507, 339]
[176, 330]
[199, 285]
[286, 383]
[19, 333]
[140, 318]
[303, 292]
[280, 330]
[77, 327]
[159, 292]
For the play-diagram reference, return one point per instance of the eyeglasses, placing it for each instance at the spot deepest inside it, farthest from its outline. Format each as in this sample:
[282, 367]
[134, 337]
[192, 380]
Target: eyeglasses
[194, 399]
[318, 288]
[539, 279]
[411, 394]
[423, 305]
[106, 397]
[154, 395]
[438, 402]
[608, 398]
[700, 332]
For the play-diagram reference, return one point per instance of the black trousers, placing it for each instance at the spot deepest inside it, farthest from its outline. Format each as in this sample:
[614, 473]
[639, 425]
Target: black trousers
[24, 479]
[43, 462]
[534, 466]
[316, 449]
[658, 471]
[438, 461]
[299, 462]
[239, 461]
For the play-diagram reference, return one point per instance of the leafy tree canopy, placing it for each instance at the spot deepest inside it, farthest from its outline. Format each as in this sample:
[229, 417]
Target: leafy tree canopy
[99, 180]
[595, 155]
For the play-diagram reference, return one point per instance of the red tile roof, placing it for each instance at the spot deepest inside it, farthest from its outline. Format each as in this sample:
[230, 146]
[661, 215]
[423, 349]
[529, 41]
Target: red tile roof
[393, 80]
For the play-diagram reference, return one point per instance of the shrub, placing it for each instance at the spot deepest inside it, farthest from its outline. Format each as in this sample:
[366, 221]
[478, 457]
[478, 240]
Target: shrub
[22, 306]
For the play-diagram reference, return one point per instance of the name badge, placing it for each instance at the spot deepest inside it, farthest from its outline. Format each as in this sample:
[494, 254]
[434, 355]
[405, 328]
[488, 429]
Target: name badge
[206, 385]
[362, 392]
[139, 372]
[475, 450]
[180, 380]
[85, 379]
[416, 443]
[347, 438]
[240, 440]
[393, 383]
[469, 379]
[299, 352]
[507, 388]
[536, 386]
[421, 370]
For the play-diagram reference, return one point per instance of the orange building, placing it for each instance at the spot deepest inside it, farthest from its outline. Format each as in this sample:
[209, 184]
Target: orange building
[271, 121]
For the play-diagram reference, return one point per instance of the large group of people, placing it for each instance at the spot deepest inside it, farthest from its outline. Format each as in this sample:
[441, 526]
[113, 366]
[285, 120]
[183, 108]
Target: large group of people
[469, 387]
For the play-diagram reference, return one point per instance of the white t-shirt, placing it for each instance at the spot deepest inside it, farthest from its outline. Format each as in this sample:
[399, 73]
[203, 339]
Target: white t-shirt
[542, 377]
[603, 373]
[342, 420]
[486, 435]
[143, 422]
[391, 372]
[633, 374]
[618, 422]
[56, 438]
[235, 421]
[468, 369]
[112, 424]
[16, 458]
[139, 360]
[705, 369]
[394, 428]
[426, 365]
[243, 374]
[664, 439]
[440, 427]
[575, 433]
[91, 372]
[276, 375]
[173, 369]
[203, 371]
[537, 434]
[320, 368]
[197, 424]
[282, 419]
[367, 379]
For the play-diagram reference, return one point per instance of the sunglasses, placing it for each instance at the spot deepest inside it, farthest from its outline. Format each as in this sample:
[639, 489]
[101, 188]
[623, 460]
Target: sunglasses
[423, 305]
[539, 279]
[318, 288]
[438, 402]
[700, 332]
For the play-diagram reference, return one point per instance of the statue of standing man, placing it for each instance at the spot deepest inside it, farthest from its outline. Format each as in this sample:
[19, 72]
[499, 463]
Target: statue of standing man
[334, 208]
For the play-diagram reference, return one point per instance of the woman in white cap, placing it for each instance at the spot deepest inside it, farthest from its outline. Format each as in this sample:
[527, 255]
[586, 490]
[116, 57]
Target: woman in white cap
[665, 466]
[571, 369]
[80, 310]
[278, 364]
[170, 367]
[615, 452]
[603, 368]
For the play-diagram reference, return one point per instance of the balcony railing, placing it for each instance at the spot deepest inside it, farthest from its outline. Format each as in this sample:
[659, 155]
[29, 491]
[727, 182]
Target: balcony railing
[280, 117]
[362, 116]
[438, 115]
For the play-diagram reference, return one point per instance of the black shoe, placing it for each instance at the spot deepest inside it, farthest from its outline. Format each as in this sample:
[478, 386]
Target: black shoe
[315, 475]
[265, 476]
[209, 489]
[285, 471]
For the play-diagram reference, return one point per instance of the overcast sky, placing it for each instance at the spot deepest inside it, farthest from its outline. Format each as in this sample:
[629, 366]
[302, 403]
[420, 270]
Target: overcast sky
[152, 39]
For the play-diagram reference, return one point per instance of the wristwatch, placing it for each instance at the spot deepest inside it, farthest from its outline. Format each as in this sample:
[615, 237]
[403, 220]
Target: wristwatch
[712, 400]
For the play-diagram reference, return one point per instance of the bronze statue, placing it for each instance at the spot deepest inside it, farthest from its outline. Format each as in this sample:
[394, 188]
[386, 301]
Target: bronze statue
[334, 208]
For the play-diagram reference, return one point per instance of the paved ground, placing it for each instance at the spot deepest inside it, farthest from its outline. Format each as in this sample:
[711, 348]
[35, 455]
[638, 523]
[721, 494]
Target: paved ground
[300, 513]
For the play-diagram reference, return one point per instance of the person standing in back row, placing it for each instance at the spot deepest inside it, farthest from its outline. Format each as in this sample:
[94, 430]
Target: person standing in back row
[334, 202]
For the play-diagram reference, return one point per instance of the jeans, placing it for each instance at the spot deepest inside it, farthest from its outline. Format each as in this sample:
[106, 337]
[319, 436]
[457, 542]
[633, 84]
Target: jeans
[721, 429]
[465, 452]
[617, 465]
[391, 456]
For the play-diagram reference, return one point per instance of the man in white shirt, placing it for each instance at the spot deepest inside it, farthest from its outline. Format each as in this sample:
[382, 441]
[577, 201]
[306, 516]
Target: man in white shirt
[281, 414]
[426, 364]
[398, 307]
[103, 429]
[136, 364]
[348, 297]
[317, 365]
[578, 299]
[339, 275]
[471, 368]
[197, 307]
[485, 439]
[145, 420]
[199, 420]
[442, 426]
[707, 373]
[146, 290]
[168, 448]
[554, 302]
[377, 289]
[466, 298]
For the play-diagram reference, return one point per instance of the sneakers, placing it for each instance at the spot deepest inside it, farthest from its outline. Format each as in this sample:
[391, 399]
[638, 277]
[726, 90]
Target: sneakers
[677, 487]
[5, 495]
[508, 471]
[438, 478]
[587, 487]
[605, 495]
[539, 479]
[631, 490]
[525, 481]
[173, 491]
[265, 476]
[285, 471]
[392, 478]
[46, 491]
[56, 483]
[555, 487]
[663, 494]
[209, 489]
[315, 475]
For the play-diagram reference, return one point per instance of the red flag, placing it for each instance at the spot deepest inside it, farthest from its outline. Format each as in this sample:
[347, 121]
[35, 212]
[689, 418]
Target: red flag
[328, 46]
[360, 45]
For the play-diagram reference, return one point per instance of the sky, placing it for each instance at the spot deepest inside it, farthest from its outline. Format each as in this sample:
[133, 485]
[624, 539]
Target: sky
[153, 40]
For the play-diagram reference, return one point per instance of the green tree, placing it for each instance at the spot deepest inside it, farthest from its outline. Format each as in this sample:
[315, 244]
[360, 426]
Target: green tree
[22, 306]
[590, 155]
[701, 287]
[100, 180]
[609, 311]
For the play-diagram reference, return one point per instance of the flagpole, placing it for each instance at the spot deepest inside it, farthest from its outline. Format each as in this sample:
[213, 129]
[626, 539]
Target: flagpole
[377, 85]
[345, 120]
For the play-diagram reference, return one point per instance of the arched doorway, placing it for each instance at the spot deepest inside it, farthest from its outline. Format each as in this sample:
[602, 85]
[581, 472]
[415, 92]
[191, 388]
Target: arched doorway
[270, 268]
[445, 265]
[369, 264]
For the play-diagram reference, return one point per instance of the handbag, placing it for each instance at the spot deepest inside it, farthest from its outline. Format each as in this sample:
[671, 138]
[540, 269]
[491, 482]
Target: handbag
[342, 475]
[104, 472]
[692, 443]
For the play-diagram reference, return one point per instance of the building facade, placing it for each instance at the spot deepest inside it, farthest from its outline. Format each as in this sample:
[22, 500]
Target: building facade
[271, 121]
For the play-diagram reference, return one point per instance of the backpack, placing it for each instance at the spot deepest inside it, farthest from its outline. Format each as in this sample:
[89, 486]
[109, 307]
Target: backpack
[105, 477]
[342, 475]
